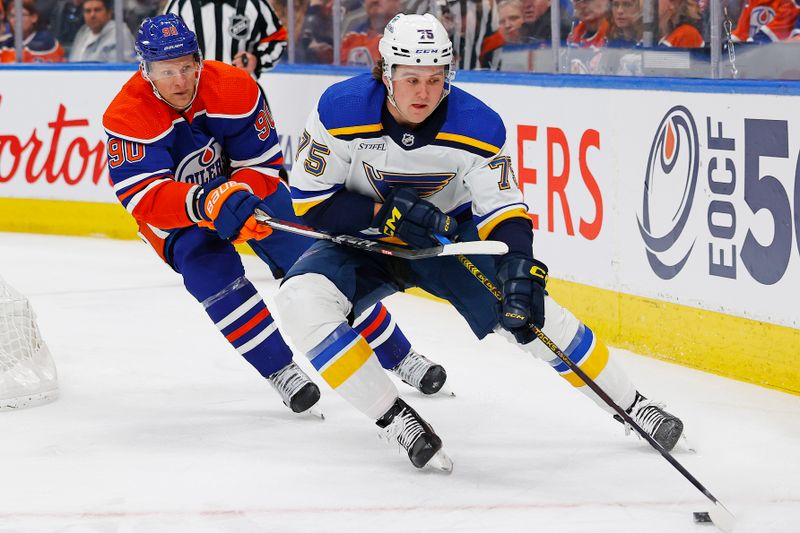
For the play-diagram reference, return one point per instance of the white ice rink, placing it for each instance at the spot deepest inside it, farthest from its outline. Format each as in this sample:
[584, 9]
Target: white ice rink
[162, 427]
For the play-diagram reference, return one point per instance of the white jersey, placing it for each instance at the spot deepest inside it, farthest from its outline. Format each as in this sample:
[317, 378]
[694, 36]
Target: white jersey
[457, 159]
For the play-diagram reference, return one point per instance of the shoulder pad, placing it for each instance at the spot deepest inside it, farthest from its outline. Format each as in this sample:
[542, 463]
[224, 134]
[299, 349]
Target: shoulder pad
[124, 117]
[227, 90]
[352, 106]
[471, 125]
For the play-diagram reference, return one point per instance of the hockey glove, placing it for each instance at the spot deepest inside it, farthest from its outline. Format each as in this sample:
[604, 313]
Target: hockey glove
[405, 216]
[227, 207]
[522, 281]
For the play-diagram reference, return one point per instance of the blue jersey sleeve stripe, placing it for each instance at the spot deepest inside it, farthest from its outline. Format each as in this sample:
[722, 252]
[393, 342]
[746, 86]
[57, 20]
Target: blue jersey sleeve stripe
[273, 153]
[481, 219]
[119, 187]
[136, 198]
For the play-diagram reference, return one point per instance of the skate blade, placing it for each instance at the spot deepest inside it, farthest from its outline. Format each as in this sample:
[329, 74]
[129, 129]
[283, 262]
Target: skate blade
[683, 445]
[441, 461]
[444, 391]
[315, 411]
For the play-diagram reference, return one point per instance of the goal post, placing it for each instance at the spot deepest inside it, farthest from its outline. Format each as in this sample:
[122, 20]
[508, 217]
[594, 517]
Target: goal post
[27, 371]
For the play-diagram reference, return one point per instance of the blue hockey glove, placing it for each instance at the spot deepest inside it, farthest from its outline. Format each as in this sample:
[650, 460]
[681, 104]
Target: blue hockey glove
[522, 282]
[405, 216]
[228, 207]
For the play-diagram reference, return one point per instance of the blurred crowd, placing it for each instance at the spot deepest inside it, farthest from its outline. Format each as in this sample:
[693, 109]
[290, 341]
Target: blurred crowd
[593, 36]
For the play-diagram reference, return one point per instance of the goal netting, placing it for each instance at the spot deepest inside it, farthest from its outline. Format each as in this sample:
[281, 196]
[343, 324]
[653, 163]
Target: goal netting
[27, 372]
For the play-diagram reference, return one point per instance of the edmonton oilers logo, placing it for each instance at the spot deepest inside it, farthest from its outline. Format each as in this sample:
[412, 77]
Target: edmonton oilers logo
[669, 188]
[201, 165]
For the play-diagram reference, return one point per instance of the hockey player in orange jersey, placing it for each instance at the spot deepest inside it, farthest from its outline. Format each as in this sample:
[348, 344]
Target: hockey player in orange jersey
[192, 152]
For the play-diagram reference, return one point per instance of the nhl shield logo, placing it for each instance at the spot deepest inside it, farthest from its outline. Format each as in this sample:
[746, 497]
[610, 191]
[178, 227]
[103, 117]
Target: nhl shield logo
[408, 139]
[239, 27]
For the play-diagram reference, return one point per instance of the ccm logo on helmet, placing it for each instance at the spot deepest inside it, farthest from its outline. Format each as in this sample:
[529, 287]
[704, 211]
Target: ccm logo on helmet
[428, 51]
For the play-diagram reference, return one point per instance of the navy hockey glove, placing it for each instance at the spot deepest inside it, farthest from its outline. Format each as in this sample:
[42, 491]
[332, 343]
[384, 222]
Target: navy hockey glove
[405, 216]
[228, 207]
[522, 281]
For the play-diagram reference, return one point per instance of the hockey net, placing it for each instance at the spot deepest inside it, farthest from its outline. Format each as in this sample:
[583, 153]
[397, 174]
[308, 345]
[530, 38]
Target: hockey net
[27, 372]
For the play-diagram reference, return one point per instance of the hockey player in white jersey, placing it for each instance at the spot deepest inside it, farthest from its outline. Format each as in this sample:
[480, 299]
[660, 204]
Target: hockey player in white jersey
[403, 154]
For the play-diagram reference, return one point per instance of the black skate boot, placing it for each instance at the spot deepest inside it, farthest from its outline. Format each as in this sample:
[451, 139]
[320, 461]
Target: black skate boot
[665, 428]
[403, 425]
[297, 390]
[421, 373]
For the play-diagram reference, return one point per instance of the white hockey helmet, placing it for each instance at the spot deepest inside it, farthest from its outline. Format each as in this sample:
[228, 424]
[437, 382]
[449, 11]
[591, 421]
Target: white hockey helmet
[416, 40]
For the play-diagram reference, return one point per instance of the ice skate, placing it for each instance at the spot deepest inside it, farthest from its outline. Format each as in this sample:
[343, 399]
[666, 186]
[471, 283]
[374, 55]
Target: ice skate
[402, 425]
[665, 428]
[297, 390]
[421, 373]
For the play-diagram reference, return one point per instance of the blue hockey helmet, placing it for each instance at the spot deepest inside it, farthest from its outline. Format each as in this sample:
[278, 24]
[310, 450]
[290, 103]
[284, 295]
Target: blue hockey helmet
[165, 37]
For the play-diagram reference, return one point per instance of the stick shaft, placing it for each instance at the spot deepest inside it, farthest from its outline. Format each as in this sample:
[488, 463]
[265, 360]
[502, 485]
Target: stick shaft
[553, 347]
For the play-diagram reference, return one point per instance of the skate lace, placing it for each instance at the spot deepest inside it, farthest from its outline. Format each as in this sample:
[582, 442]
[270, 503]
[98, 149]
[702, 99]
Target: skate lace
[288, 381]
[649, 415]
[413, 368]
[405, 429]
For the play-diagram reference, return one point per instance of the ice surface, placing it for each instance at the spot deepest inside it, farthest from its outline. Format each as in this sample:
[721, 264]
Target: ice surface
[162, 427]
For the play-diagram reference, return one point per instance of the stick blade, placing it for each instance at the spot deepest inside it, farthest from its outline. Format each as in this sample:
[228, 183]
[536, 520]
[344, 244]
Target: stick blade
[722, 517]
[475, 248]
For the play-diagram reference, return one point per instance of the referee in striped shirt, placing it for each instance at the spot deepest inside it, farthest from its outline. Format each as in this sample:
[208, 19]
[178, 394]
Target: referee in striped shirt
[243, 33]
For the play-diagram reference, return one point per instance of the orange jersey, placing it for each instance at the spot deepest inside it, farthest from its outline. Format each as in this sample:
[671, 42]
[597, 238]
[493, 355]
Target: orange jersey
[361, 49]
[773, 19]
[579, 38]
[39, 47]
[684, 36]
[157, 155]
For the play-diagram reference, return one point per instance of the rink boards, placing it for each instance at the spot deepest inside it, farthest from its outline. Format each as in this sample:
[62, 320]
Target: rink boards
[668, 210]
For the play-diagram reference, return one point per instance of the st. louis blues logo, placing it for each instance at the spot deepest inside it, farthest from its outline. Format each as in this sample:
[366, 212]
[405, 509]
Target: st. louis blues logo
[426, 184]
[201, 165]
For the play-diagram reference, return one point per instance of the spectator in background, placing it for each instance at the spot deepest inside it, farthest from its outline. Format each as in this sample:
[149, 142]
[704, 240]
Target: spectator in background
[765, 21]
[468, 23]
[97, 39]
[360, 46]
[316, 35]
[511, 31]
[5, 29]
[625, 28]
[592, 26]
[39, 46]
[536, 16]
[678, 23]
[67, 20]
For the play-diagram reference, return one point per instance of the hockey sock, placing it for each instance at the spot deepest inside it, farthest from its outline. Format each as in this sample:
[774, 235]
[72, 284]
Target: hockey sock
[591, 355]
[348, 365]
[242, 317]
[383, 335]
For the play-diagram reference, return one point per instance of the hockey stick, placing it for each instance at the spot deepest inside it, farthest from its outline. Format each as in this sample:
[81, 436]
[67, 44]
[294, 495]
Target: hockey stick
[719, 514]
[469, 248]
